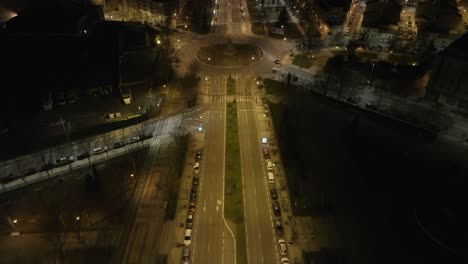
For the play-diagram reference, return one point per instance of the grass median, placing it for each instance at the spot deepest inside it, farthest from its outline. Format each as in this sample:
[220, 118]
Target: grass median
[233, 196]
[231, 88]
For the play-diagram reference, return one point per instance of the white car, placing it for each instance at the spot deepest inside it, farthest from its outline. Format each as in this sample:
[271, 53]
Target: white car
[284, 261]
[187, 237]
[98, 150]
[282, 246]
[196, 168]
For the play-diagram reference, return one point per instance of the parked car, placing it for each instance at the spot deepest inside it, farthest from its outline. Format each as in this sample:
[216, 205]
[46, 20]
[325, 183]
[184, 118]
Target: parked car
[189, 221]
[133, 140]
[146, 136]
[188, 237]
[371, 107]
[196, 168]
[83, 155]
[266, 153]
[8, 179]
[274, 194]
[119, 145]
[198, 155]
[47, 166]
[282, 246]
[29, 171]
[277, 62]
[278, 226]
[98, 150]
[64, 161]
[284, 261]
[276, 208]
[195, 181]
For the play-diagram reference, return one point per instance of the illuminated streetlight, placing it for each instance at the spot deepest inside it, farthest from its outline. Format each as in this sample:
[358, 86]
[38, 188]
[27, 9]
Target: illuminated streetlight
[206, 78]
[158, 41]
[253, 58]
[164, 85]
[131, 175]
[15, 221]
[209, 58]
[77, 218]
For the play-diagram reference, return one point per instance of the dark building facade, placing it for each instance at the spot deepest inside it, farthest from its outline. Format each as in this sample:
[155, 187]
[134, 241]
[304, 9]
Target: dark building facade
[448, 83]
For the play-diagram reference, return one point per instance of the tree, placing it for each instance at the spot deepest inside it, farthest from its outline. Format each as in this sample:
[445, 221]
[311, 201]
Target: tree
[283, 17]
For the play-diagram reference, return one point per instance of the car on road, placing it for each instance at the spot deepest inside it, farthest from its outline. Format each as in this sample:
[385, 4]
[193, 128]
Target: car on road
[277, 62]
[133, 140]
[188, 237]
[198, 155]
[64, 161]
[274, 194]
[98, 150]
[83, 155]
[196, 168]
[284, 261]
[146, 136]
[195, 181]
[278, 226]
[193, 195]
[276, 208]
[119, 145]
[282, 246]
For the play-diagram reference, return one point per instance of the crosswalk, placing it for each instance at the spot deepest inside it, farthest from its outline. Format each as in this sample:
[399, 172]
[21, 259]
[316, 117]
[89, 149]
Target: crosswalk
[229, 98]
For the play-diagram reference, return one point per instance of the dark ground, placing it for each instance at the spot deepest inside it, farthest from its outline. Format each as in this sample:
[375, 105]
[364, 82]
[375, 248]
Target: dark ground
[380, 180]
[47, 209]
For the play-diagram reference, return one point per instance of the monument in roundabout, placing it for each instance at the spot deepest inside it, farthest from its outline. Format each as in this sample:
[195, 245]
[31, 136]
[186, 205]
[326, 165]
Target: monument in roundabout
[230, 54]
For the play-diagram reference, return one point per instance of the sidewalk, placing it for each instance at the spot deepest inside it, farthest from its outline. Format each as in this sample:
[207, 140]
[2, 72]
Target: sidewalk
[176, 228]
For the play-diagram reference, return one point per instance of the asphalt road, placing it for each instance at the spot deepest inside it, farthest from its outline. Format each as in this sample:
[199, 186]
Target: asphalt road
[257, 205]
[212, 242]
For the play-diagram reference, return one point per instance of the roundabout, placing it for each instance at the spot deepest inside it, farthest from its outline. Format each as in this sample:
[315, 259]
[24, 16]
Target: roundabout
[230, 54]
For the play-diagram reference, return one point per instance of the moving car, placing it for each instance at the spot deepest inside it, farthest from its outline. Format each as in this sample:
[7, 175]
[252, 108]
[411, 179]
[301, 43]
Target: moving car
[277, 62]
[269, 165]
[196, 168]
[282, 246]
[284, 261]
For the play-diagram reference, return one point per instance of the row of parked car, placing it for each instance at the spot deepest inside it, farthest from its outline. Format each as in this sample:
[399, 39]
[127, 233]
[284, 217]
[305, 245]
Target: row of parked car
[66, 160]
[275, 206]
[191, 209]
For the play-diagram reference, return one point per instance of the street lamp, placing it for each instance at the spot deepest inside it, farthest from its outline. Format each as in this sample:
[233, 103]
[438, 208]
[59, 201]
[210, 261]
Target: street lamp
[131, 175]
[15, 221]
[77, 218]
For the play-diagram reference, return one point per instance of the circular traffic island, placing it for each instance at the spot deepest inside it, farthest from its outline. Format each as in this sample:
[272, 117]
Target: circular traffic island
[230, 54]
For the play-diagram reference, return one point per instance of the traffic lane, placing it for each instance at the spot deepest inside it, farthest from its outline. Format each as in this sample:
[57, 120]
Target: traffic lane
[208, 240]
[263, 198]
[253, 233]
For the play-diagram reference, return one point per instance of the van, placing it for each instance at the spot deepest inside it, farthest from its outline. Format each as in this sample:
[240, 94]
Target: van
[269, 165]
[185, 254]
[271, 177]
[187, 237]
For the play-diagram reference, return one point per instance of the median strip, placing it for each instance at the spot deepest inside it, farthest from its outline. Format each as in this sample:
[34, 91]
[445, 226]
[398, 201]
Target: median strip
[233, 196]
